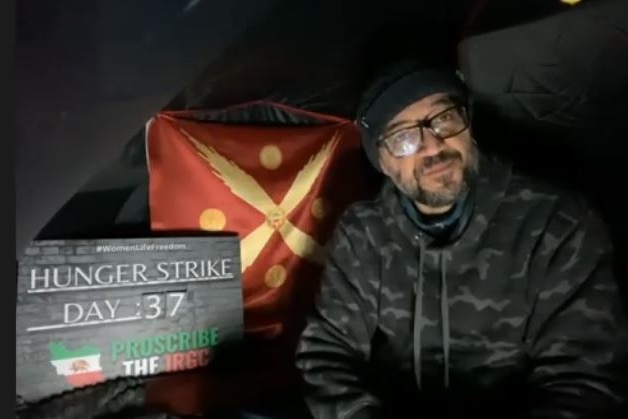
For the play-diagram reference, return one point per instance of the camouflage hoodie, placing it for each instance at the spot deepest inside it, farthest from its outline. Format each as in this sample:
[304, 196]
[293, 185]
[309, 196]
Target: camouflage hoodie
[516, 315]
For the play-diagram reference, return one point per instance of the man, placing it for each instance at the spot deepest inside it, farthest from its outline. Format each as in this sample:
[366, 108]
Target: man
[465, 287]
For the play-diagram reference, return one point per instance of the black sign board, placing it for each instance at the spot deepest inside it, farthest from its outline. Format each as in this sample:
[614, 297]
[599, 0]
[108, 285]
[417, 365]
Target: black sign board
[94, 310]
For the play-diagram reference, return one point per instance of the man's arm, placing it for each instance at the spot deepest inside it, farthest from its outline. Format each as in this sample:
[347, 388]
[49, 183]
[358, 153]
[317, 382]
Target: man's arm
[578, 329]
[335, 344]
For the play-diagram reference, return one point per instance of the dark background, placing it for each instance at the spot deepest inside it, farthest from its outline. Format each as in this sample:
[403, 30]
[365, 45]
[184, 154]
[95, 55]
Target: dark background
[550, 83]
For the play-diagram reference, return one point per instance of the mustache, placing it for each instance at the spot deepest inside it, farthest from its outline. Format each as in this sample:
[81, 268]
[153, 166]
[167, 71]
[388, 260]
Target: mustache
[442, 157]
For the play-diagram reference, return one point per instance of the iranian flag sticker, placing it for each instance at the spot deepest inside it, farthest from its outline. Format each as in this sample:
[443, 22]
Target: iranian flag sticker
[81, 367]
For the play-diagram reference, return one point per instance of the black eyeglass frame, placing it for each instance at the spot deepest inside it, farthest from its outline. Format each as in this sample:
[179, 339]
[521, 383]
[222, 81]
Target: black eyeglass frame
[426, 123]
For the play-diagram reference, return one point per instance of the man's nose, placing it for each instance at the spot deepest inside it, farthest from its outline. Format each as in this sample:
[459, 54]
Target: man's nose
[431, 144]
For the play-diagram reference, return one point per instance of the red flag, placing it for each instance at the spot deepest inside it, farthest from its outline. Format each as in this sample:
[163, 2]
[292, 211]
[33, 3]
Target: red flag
[280, 188]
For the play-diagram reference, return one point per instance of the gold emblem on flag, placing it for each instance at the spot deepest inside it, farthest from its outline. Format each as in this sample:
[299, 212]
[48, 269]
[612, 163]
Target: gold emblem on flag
[319, 208]
[245, 187]
[212, 219]
[79, 365]
[270, 157]
[275, 276]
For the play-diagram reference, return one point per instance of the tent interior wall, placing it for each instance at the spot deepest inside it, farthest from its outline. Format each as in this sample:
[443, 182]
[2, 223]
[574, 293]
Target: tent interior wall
[549, 78]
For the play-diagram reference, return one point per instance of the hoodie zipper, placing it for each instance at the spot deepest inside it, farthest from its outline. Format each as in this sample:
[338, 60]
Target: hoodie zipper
[444, 314]
[418, 315]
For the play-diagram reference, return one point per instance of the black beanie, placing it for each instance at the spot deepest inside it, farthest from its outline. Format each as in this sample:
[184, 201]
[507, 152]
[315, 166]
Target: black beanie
[400, 86]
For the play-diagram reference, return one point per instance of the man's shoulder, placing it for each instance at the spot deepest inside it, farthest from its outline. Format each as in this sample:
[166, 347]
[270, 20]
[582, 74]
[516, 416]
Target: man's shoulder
[361, 221]
[562, 199]
[364, 212]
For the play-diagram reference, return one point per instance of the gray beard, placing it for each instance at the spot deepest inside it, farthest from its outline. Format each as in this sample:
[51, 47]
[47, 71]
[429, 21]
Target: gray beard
[448, 195]
[450, 191]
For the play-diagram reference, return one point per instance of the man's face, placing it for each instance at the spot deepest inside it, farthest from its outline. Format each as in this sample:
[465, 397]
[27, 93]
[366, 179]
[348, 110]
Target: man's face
[441, 169]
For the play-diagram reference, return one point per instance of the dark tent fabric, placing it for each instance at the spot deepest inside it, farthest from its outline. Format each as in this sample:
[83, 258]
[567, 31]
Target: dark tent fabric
[89, 74]
[565, 72]
[553, 94]
[554, 69]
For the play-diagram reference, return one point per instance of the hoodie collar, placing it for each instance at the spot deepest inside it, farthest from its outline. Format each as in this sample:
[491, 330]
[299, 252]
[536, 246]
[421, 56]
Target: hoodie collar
[439, 225]
[476, 210]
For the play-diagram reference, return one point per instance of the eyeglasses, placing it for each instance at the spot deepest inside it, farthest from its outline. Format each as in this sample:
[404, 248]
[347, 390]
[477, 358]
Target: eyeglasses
[445, 124]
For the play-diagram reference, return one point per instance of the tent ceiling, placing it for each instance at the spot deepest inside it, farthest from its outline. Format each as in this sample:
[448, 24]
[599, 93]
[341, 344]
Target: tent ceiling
[91, 73]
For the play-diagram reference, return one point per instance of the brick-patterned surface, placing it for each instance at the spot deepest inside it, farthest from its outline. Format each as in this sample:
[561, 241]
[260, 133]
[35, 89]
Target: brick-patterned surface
[211, 304]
